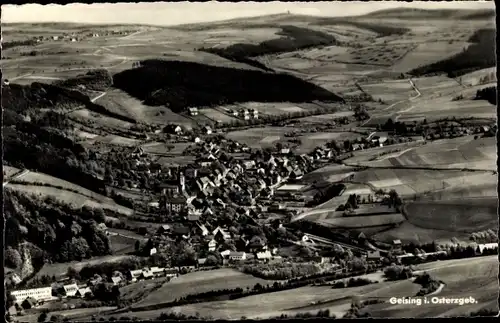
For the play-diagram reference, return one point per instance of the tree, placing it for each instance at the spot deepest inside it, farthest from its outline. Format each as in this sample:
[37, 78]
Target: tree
[72, 273]
[42, 317]
[13, 258]
[212, 260]
[396, 272]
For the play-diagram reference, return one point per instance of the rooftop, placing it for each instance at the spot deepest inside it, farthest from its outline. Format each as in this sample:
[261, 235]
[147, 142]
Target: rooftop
[291, 187]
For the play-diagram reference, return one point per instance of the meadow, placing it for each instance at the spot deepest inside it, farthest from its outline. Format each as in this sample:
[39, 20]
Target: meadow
[477, 277]
[60, 269]
[200, 282]
[268, 137]
[361, 221]
[462, 152]
[69, 193]
[465, 215]
[461, 276]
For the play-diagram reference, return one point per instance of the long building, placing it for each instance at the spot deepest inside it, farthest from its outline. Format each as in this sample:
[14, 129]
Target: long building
[40, 294]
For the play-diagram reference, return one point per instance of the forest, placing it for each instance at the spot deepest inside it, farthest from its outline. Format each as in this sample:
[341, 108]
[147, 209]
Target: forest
[293, 38]
[179, 85]
[59, 231]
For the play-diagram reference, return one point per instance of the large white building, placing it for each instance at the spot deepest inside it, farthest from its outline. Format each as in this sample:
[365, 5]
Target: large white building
[40, 294]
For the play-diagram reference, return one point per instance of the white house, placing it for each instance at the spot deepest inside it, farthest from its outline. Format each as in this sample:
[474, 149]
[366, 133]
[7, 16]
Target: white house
[55, 37]
[488, 246]
[193, 111]
[152, 251]
[197, 140]
[264, 255]
[116, 280]
[82, 291]
[40, 294]
[212, 244]
[135, 274]
[238, 255]
[225, 253]
[207, 130]
[70, 290]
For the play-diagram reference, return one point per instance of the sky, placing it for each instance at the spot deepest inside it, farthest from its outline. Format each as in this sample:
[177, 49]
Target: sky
[175, 13]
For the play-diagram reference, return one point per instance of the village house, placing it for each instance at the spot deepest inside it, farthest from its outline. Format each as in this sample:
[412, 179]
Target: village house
[157, 271]
[193, 111]
[84, 292]
[175, 204]
[202, 261]
[396, 245]
[221, 235]
[237, 256]
[13, 277]
[264, 255]
[212, 244]
[225, 253]
[173, 129]
[70, 290]
[378, 137]
[373, 256]
[134, 275]
[169, 188]
[171, 272]
[207, 130]
[117, 280]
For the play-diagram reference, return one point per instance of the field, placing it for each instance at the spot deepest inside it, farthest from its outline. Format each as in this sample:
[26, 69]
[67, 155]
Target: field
[141, 289]
[463, 215]
[427, 53]
[330, 173]
[60, 269]
[158, 148]
[462, 278]
[269, 136]
[9, 171]
[376, 55]
[360, 222]
[476, 277]
[200, 282]
[121, 103]
[443, 220]
[463, 152]
[71, 193]
[390, 91]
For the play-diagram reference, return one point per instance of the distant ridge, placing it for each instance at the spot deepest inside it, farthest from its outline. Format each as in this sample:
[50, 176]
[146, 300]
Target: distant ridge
[416, 13]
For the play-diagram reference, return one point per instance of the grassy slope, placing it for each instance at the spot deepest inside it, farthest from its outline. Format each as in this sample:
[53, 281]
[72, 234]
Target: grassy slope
[476, 277]
[70, 193]
[200, 282]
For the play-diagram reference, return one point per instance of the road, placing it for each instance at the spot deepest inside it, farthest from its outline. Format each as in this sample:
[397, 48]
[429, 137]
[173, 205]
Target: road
[16, 177]
[83, 106]
[399, 102]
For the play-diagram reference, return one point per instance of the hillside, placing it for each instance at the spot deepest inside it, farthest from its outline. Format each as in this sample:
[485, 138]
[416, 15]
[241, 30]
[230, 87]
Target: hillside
[418, 14]
[293, 38]
[479, 55]
[180, 85]
[55, 232]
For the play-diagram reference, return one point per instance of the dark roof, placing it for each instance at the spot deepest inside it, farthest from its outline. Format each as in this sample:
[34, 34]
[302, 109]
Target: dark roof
[176, 200]
[180, 229]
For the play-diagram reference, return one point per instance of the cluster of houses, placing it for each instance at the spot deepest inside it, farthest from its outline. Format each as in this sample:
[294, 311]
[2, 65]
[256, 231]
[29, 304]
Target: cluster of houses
[245, 114]
[198, 235]
[30, 298]
[243, 181]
